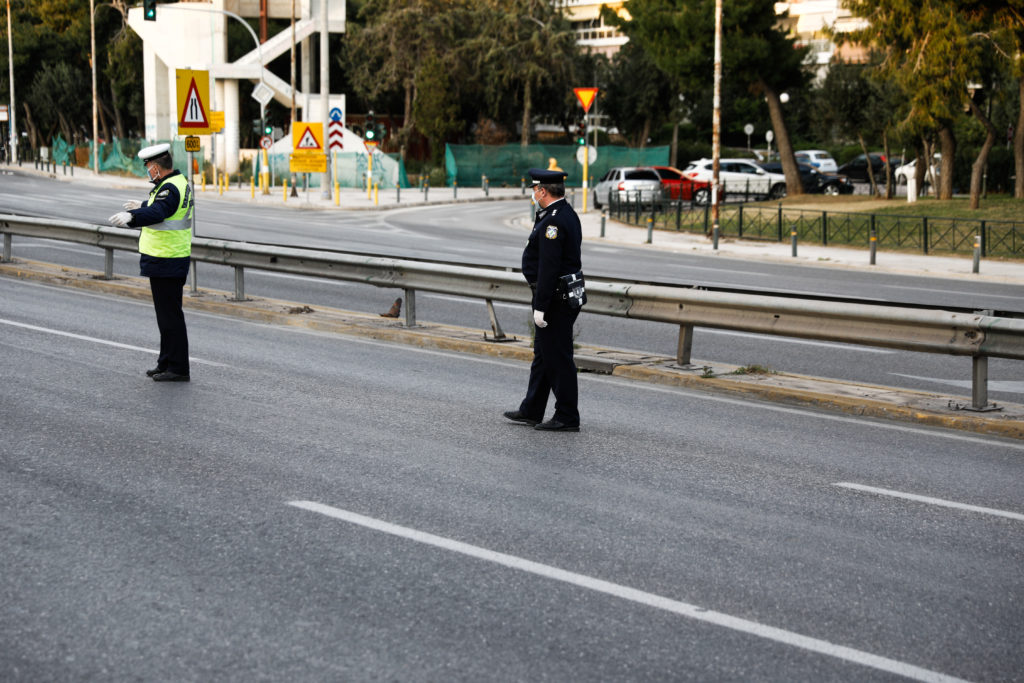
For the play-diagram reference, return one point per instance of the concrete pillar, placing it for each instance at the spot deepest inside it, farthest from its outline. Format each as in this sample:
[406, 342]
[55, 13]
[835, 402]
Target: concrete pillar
[231, 129]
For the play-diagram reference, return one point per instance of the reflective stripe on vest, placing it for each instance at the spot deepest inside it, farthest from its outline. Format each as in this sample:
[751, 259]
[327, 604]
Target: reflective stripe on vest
[173, 237]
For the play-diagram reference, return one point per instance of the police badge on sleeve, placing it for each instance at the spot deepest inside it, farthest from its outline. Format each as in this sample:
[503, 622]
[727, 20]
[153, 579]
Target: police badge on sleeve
[551, 233]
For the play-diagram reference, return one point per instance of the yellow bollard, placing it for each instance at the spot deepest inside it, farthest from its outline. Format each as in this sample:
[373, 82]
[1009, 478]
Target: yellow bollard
[285, 186]
[252, 187]
[376, 194]
[220, 186]
[204, 182]
[337, 193]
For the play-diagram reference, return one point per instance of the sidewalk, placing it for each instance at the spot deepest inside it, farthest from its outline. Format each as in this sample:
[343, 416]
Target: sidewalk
[615, 232]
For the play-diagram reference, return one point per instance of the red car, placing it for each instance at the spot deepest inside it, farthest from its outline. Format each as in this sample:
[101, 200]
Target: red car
[678, 186]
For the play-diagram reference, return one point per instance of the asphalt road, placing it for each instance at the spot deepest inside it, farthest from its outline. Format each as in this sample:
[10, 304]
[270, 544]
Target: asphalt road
[320, 508]
[483, 233]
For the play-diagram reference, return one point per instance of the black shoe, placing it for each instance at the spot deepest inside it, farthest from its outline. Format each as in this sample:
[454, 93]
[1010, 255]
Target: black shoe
[517, 416]
[168, 376]
[155, 371]
[556, 426]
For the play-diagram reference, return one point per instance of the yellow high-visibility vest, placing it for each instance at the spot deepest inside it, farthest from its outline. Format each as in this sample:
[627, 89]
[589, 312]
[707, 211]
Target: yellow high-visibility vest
[173, 237]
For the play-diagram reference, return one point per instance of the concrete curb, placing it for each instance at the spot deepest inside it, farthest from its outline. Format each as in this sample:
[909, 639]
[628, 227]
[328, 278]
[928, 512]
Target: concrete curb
[831, 395]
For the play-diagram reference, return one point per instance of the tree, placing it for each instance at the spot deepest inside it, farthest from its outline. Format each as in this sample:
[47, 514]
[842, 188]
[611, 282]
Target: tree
[637, 94]
[679, 37]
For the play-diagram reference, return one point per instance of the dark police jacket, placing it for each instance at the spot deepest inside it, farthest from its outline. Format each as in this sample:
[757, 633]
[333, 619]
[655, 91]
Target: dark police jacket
[553, 250]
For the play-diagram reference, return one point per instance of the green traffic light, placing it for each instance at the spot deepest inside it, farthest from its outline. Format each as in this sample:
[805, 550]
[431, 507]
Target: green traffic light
[268, 130]
[370, 135]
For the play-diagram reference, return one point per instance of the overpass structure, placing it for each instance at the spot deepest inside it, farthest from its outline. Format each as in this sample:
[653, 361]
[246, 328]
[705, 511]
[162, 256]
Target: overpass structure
[194, 35]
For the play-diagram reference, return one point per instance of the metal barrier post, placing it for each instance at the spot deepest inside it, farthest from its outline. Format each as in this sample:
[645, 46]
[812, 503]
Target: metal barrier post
[410, 308]
[499, 334]
[239, 283]
[824, 228]
[685, 345]
[792, 238]
[650, 229]
[977, 254]
[7, 247]
[455, 189]
[604, 216]
[924, 233]
[714, 238]
[108, 264]
[873, 241]
[979, 382]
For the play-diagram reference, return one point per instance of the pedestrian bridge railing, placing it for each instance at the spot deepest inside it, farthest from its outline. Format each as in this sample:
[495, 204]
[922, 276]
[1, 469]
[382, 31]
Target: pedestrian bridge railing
[958, 332]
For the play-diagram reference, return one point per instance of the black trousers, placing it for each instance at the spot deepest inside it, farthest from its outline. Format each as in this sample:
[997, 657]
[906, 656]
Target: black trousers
[167, 292]
[553, 369]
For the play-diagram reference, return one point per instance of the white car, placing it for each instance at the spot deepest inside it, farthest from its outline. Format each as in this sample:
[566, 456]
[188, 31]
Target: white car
[628, 184]
[818, 158]
[739, 176]
[905, 172]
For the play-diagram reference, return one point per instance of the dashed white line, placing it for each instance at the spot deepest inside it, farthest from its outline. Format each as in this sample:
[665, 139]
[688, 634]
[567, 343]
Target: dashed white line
[634, 595]
[931, 501]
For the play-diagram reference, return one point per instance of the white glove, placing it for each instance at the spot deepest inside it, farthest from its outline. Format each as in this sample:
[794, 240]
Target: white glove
[133, 204]
[538, 319]
[120, 219]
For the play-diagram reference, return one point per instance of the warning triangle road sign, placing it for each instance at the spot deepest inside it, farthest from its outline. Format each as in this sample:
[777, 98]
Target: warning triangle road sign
[193, 114]
[308, 141]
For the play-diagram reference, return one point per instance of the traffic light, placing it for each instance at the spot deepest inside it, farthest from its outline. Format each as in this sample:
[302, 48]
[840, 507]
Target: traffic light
[371, 128]
[257, 126]
[149, 10]
[581, 133]
[268, 127]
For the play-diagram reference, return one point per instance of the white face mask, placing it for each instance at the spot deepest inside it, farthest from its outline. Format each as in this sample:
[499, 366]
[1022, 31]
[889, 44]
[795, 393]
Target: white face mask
[154, 172]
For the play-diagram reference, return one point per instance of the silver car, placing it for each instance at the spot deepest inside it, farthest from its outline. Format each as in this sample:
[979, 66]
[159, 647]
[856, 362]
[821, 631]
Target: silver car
[628, 183]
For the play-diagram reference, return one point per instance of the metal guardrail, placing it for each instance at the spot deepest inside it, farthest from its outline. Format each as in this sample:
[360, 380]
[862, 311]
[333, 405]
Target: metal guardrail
[977, 334]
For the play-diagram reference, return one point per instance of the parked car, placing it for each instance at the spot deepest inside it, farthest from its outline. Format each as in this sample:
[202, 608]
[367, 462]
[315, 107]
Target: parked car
[857, 168]
[678, 186]
[739, 176]
[814, 181]
[905, 172]
[818, 158]
[628, 183]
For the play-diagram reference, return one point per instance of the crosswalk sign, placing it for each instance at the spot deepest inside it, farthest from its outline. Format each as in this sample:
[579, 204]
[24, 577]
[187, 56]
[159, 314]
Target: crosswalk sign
[193, 90]
[308, 137]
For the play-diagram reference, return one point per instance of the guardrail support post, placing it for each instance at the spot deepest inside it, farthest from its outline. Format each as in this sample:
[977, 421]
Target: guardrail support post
[410, 308]
[499, 334]
[979, 382]
[685, 345]
[7, 247]
[239, 283]
[108, 264]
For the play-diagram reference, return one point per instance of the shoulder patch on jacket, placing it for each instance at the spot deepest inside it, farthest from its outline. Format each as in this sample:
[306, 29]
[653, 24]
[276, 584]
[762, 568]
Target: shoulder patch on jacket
[551, 233]
[162, 193]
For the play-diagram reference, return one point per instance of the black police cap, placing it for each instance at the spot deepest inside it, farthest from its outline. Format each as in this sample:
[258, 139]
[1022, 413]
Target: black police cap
[540, 175]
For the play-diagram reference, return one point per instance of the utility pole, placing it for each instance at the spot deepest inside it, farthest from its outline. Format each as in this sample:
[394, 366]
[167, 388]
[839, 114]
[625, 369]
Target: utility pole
[325, 91]
[10, 61]
[92, 59]
[716, 122]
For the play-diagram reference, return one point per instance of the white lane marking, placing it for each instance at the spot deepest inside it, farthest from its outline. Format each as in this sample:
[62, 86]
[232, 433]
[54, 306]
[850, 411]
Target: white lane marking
[1006, 386]
[931, 501]
[95, 340]
[951, 291]
[788, 340]
[634, 595]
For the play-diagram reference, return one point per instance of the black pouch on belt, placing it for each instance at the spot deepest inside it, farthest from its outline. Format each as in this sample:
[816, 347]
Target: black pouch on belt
[573, 290]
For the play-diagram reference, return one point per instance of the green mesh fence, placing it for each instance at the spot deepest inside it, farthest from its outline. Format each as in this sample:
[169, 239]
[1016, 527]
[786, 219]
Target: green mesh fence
[508, 164]
[118, 156]
[121, 156]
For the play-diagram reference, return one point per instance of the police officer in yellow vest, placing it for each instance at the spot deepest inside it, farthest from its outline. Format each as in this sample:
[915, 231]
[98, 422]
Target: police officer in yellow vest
[165, 248]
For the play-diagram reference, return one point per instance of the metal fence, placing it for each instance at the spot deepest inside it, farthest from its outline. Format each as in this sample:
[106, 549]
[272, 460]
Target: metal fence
[978, 334]
[926, 234]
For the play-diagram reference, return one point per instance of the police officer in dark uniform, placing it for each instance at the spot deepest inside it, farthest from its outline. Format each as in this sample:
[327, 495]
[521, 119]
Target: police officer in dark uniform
[165, 247]
[552, 251]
